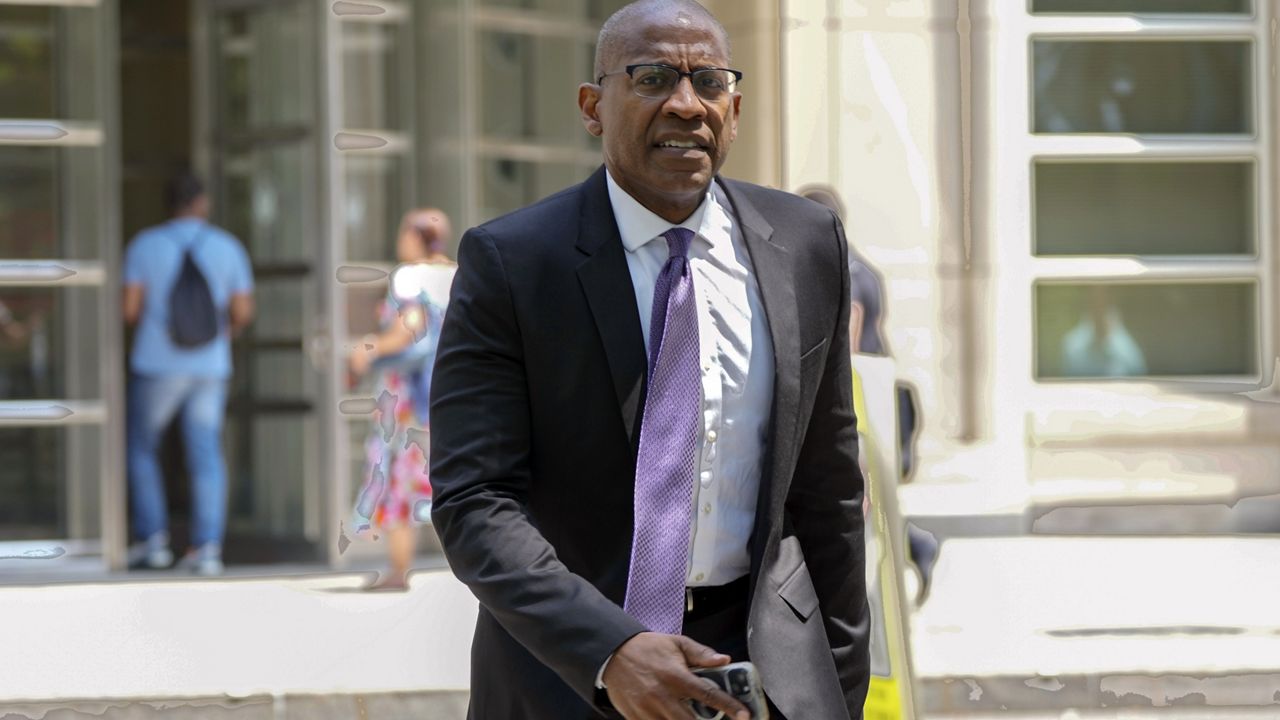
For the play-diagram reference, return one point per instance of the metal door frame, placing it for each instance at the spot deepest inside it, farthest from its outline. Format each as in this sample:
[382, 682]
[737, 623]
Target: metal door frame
[320, 525]
[106, 411]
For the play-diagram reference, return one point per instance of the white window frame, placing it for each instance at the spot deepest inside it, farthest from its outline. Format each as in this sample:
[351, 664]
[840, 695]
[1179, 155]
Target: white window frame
[1013, 149]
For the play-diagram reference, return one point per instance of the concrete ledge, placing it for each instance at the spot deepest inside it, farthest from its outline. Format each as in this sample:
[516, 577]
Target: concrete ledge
[1113, 694]
[320, 636]
[444, 705]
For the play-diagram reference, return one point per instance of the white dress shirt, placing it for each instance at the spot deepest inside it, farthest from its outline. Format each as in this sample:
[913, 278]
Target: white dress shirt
[736, 354]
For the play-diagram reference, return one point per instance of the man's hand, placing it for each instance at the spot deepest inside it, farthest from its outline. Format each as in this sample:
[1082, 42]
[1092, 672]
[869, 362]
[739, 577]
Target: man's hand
[648, 678]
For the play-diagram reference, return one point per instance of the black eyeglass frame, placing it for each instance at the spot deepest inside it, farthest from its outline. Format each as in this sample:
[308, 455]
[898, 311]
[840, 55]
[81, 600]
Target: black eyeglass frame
[680, 75]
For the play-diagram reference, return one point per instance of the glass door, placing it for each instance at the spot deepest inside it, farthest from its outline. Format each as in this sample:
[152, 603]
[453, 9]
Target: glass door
[263, 146]
[61, 438]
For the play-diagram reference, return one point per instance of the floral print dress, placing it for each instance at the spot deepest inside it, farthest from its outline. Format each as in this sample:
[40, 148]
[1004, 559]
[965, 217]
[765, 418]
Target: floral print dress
[397, 488]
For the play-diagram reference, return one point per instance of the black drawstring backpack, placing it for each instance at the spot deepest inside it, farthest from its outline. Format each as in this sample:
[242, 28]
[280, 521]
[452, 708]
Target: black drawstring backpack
[193, 317]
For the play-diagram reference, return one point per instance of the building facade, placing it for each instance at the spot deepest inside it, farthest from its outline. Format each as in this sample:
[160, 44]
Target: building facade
[1071, 202]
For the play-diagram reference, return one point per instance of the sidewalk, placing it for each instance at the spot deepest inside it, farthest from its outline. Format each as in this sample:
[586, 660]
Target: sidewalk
[1105, 624]
[1033, 627]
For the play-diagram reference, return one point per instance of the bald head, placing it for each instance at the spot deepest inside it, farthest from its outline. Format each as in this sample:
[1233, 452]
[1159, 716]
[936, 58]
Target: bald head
[621, 26]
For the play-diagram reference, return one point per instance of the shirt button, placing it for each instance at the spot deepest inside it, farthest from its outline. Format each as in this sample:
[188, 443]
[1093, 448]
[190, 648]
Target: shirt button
[711, 436]
[698, 578]
[706, 509]
[706, 478]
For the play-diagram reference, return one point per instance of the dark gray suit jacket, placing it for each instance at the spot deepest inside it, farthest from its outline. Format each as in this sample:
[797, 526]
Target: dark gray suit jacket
[535, 420]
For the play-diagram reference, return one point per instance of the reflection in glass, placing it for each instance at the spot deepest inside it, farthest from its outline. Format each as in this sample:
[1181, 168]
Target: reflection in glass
[1141, 6]
[1100, 345]
[42, 473]
[1154, 87]
[1144, 208]
[49, 343]
[1101, 330]
[266, 201]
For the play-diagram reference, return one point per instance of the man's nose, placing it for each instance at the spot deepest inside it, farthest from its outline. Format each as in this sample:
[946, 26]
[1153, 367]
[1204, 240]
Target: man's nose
[684, 101]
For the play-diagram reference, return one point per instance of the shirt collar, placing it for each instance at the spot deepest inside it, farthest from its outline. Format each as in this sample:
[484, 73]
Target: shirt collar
[638, 225]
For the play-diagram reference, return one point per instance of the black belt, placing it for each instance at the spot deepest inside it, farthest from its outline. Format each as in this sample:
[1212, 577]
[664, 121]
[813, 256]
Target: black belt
[708, 600]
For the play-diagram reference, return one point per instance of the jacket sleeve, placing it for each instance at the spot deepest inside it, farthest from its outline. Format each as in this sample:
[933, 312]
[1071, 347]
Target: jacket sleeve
[825, 504]
[481, 440]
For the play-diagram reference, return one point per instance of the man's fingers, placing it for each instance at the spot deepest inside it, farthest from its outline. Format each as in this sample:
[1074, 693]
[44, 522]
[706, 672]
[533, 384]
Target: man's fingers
[698, 655]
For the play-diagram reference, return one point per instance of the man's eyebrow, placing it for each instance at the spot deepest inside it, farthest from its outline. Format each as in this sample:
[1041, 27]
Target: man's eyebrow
[692, 68]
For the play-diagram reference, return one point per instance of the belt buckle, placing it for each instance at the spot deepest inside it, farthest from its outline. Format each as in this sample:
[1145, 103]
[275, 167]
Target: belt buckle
[688, 599]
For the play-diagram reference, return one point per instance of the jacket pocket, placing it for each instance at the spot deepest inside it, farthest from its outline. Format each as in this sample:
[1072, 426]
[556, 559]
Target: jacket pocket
[814, 352]
[798, 593]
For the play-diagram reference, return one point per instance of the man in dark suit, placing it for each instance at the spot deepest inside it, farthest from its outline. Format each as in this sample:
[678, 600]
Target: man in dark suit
[644, 455]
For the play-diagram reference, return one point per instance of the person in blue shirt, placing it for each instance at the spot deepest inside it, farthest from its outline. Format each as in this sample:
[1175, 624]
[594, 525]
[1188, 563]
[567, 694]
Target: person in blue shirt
[166, 379]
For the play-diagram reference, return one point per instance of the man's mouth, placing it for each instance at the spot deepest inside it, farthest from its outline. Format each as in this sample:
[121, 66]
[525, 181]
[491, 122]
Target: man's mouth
[682, 145]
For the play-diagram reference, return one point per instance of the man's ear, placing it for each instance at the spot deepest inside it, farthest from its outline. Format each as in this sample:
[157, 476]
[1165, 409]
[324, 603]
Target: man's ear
[736, 108]
[589, 104]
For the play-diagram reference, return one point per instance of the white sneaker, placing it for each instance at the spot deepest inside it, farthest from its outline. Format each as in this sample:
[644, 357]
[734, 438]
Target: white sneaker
[205, 560]
[153, 553]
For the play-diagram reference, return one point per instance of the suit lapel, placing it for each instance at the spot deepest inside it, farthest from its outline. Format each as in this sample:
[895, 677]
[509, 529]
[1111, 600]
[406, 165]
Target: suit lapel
[606, 281]
[771, 264]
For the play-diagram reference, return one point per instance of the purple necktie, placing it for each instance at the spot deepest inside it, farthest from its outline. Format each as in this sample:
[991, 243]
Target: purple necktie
[668, 446]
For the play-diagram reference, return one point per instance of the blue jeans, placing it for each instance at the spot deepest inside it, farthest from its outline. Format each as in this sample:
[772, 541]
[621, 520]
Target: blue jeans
[153, 402]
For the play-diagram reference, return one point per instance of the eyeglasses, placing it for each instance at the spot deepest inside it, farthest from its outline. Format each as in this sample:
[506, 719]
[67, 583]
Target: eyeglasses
[659, 81]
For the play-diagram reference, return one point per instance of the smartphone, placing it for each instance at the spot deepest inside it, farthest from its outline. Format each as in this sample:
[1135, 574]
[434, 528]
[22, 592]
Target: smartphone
[742, 682]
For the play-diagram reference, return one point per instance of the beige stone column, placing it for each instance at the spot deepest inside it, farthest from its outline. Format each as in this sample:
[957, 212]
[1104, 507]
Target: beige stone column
[754, 33]
[876, 105]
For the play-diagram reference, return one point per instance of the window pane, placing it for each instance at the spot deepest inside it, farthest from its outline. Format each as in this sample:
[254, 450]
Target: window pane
[50, 343]
[528, 84]
[280, 373]
[40, 468]
[594, 11]
[48, 203]
[375, 200]
[508, 185]
[47, 61]
[279, 302]
[266, 201]
[372, 58]
[442, 157]
[1144, 208]
[1100, 330]
[1141, 6]
[1142, 87]
[262, 53]
[266, 468]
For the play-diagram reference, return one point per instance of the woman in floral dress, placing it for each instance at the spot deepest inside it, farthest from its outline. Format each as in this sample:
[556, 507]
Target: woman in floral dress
[396, 495]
